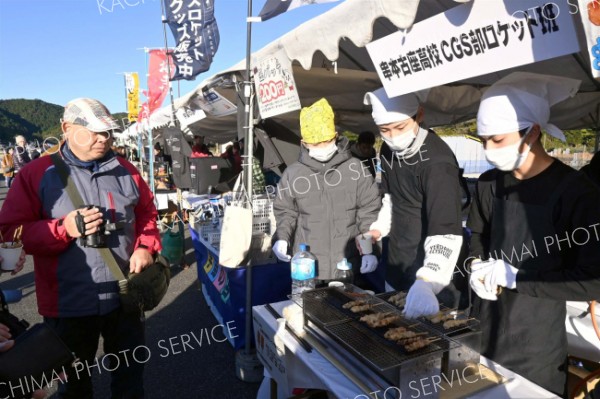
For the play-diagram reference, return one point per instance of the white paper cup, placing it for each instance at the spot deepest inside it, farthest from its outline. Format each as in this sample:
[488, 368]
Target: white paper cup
[365, 242]
[10, 256]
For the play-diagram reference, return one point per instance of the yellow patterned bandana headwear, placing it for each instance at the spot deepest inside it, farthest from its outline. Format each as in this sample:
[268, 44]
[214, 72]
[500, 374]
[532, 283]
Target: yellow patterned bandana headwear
[316, 122]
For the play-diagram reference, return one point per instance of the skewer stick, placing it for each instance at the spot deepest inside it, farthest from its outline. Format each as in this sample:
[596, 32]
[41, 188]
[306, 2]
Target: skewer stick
[17, 234]
[462, 320]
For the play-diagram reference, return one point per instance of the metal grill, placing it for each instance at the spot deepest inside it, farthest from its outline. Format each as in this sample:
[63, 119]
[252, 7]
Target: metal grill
[324, 308]
[386, 296]
[361, 342]
[371, 346]
[323, 315]
[335, 299]
[471, 325]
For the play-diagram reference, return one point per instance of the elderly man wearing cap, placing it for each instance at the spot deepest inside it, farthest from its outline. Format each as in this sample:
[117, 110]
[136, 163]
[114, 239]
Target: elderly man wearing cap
[323, 199]
[529, 222]
[421, 209]
[76, 292]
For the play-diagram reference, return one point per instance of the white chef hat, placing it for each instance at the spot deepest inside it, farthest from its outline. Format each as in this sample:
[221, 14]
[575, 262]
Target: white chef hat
[389, 110]
[523, 99]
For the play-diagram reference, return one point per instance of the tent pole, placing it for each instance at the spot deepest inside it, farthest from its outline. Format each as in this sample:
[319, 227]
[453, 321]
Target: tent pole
[126, 95]
[164, 23]
[248, 149]
[151, 161]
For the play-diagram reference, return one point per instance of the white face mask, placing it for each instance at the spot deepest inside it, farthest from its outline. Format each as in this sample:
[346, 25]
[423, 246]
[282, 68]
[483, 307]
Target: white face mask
[400, 142]
[508, 158]
[323, 154]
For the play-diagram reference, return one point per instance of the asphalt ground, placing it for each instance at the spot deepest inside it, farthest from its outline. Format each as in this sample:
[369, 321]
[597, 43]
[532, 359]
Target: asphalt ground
[205, 371]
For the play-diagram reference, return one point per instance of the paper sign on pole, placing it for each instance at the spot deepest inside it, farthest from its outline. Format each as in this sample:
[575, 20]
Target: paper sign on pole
[275, 87]
[471, 40]
[589, 12]
[214, 104]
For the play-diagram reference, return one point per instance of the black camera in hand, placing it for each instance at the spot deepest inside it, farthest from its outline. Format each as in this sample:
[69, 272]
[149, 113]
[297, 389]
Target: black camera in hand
[97, 239]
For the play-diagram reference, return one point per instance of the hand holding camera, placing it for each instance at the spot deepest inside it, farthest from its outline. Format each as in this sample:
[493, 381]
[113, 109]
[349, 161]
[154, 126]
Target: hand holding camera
[88, 224]
[90, 219]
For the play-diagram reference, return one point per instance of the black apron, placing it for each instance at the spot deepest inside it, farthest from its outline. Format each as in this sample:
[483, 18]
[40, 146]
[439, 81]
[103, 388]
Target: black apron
[407, 234]
[523, 333]
[406, 252]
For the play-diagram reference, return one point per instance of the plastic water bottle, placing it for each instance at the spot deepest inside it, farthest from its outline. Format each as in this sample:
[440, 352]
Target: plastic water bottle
[343, 273]
[303, 270]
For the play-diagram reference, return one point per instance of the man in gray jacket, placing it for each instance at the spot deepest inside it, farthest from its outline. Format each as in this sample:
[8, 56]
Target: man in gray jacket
[325, 199]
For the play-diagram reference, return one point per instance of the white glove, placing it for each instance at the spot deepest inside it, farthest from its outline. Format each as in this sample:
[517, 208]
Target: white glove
[501, 274]
[280, 250]
[479, 271]
[369, 264]
[421, 300]
[384, 218]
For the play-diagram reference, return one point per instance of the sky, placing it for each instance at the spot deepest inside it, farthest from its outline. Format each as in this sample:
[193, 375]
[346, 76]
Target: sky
[58, 50]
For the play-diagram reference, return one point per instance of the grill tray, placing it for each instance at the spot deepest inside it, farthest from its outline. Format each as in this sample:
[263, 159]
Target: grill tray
[324, 308]
[471, 325]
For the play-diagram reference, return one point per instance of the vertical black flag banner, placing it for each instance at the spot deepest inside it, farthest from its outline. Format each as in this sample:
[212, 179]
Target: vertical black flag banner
[194, 27]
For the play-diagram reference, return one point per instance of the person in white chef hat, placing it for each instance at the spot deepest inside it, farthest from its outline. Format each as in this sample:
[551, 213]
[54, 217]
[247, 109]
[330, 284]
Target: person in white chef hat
[529, 217]
[421, 210]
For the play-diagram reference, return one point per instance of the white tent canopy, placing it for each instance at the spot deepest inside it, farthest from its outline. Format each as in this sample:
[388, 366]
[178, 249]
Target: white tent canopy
[160, 118]
[330, 61]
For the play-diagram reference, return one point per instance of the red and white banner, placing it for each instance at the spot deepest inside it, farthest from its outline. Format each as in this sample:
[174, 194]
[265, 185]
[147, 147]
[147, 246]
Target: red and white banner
[158, 82]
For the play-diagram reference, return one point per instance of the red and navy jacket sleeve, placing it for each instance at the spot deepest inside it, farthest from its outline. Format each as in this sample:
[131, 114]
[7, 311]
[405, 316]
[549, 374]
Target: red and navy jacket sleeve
[22, 207]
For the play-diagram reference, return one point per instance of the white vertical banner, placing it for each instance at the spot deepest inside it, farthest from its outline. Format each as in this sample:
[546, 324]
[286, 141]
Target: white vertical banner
[276, 90]
[589, 12]
[472, 40]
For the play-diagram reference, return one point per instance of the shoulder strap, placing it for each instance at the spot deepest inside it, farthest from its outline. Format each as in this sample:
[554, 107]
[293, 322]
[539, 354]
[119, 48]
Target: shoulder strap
[64, 174]
[75, 196]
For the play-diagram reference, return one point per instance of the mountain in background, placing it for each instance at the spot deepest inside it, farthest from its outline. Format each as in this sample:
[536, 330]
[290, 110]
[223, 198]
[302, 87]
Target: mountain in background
[28, 117]
[34, 119]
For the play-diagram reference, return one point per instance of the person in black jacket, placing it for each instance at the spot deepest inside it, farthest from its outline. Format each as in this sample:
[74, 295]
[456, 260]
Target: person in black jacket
[364, 151]
[421, 209]
[534, 223]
